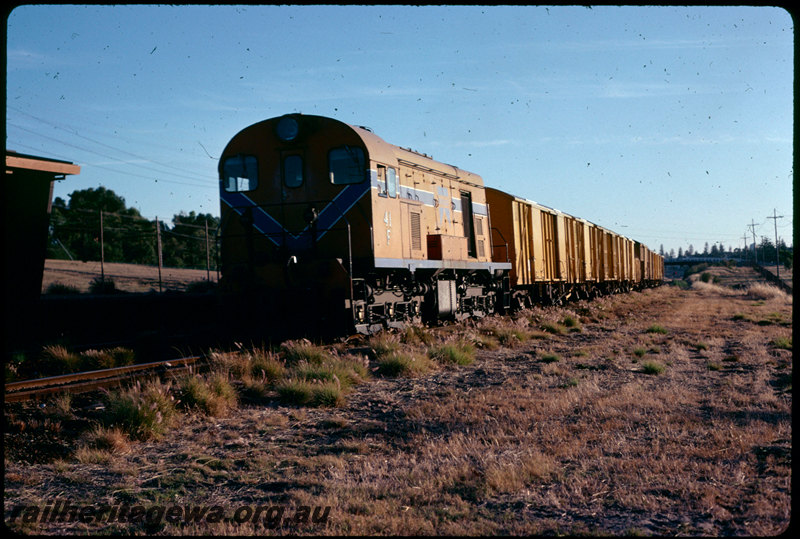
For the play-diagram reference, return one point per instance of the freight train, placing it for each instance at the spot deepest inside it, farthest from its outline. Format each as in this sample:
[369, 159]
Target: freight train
[325, 222]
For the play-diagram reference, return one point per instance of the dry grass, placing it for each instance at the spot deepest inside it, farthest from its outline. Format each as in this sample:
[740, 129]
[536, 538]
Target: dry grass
[767, 292]
[213, 394]
[508, 444]
[75, 276]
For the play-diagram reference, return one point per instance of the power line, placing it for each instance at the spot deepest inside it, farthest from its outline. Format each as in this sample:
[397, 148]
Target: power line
[74, 131]
[120, 162]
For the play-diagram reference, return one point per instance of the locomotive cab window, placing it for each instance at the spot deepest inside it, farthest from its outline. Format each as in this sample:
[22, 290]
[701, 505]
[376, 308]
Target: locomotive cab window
[391, 182]
[387, 181]
[346, 164]
[240, 173]
[293, 171]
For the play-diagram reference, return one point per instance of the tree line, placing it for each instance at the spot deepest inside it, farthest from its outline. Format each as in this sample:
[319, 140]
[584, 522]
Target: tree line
[765, 252]
[97, 223]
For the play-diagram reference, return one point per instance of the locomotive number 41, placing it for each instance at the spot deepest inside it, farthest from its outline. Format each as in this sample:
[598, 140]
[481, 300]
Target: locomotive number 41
[387, 218]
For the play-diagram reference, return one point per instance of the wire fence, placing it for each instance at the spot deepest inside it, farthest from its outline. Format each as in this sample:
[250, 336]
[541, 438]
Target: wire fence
[125, 251]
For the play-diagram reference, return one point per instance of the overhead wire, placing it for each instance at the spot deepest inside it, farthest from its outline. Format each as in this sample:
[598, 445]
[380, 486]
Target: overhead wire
[74, 132]
[207, 182]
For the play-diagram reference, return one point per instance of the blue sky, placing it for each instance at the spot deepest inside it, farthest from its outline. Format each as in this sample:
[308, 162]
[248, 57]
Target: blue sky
[671, 125]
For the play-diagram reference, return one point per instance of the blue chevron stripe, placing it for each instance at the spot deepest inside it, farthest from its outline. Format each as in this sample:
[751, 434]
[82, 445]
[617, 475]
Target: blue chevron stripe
[262, 221]
[275, 232]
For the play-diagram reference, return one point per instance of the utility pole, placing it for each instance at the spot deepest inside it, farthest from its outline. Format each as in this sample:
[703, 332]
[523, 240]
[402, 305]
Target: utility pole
[102, 256]
[752, 226]
[158, 247]
[775, 216]
[208, 256]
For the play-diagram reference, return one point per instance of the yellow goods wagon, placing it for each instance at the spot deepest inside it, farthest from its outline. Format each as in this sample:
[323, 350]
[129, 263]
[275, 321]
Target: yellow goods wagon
[555, 255]
[534, 237]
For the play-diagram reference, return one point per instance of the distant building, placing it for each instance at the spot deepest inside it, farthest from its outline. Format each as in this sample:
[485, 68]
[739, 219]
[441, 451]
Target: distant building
[27, 197]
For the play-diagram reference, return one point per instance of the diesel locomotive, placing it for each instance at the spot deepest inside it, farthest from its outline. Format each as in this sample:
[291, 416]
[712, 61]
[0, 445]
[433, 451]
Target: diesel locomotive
[326, 222]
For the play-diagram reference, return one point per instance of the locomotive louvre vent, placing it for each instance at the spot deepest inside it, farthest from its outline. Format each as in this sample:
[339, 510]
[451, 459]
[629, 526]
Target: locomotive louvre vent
[416, 232]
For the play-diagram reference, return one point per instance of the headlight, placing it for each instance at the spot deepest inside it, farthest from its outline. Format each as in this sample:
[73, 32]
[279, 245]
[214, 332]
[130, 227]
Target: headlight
[287, 129]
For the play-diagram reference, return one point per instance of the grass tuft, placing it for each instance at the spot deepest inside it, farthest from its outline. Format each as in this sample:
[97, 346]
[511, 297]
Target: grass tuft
[655, 328]
[458, 352]
[572, 324]
[554, 328]
[784, 343]
[417, 335]
[506, 336]
[106, 359]
[311, 393]
[652, 367]
[57, 359]
[142, 411]
[112, 440]
[62, 289]
[266, 365]
[550, 358]
[384, 345]
[303, 350]
[213, 395]
[404, 364]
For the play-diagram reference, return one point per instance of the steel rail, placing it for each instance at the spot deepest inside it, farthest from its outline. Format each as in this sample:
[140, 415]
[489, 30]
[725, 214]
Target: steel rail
[89, 380]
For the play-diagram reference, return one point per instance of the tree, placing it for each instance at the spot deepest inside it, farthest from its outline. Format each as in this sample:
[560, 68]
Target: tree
[786, 254]
[185, 244]
[128, 237]
[99, 199]
[766, 251]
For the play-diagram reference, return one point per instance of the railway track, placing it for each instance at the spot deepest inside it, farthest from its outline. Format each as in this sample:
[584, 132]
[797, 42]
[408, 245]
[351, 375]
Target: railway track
[92, 380]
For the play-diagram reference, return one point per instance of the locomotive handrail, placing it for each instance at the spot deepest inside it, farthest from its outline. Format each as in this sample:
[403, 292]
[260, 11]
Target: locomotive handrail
[350, 255]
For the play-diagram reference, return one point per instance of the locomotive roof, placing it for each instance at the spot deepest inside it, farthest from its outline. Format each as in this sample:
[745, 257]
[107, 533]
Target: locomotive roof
[381, 151]
[384, 152]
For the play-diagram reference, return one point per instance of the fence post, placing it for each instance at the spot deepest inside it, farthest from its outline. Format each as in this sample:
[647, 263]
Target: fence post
[158, 246]
[102, 255]
[208, 256]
